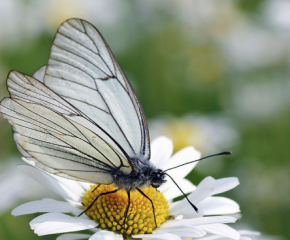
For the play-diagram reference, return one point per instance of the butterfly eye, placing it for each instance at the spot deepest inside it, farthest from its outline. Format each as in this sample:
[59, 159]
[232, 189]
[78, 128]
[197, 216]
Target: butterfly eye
[156, 178]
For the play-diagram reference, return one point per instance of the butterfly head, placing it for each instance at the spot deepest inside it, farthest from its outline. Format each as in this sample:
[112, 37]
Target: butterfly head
[158, 177]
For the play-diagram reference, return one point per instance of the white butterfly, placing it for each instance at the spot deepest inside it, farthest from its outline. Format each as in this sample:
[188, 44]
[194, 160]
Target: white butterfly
[79, 117]
[84, 122]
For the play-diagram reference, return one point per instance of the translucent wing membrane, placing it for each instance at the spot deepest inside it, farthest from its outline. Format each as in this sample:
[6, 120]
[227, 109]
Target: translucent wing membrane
[56, 136]
[83, 71]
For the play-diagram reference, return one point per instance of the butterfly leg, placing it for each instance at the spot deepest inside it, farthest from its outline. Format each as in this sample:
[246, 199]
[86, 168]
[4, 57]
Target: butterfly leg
[96, 187]
[126, 214]
[140, 191]
[101, 194]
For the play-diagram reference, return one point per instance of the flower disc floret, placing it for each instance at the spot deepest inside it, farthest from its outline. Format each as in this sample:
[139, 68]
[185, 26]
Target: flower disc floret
[109, 210]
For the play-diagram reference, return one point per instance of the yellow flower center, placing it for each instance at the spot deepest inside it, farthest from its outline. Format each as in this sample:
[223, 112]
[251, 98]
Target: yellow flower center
[109, 210]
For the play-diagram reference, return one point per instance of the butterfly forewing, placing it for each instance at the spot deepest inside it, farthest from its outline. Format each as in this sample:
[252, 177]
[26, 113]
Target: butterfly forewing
[83, 70]
[53, 133]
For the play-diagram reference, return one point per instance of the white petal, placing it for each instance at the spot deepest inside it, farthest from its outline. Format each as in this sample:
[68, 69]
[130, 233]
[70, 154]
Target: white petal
[52, 183]
[174, 192]
[209, 206]
[170, 193]
[73, 236]
[179, 208]
[51, 223]
[208, 187]
[32, 163]
[219, 205]
[159, 236]
[212, 237]
[185, 155]
[219, 185]
[106, 235]
[45, 205]
[85, 185]
[75, 186]
[169, 185]
[221, 229]
[74, 203]
[184, 232]
[198, 221]
[161, 150]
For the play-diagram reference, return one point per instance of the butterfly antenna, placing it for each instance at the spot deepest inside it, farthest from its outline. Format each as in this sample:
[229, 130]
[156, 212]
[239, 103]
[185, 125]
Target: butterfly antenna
[195, 208]
[140, 191]
[213, 155]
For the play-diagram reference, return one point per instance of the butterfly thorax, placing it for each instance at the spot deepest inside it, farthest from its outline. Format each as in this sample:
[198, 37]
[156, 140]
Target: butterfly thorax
[146, 175]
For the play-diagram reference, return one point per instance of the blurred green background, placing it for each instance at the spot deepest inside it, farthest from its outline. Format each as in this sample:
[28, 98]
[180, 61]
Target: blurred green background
[209, 73]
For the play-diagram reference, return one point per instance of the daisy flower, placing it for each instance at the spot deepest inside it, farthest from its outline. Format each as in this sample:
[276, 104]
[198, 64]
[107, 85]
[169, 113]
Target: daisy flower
[175, 220]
